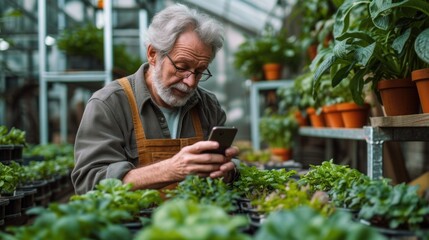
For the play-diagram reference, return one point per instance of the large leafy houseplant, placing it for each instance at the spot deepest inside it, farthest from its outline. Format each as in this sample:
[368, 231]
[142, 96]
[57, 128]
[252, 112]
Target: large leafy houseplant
[366, 49]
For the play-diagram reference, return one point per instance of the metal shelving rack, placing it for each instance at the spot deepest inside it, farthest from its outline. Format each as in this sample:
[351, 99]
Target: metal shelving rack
[374, 137]
[46, 77]
[255, 113]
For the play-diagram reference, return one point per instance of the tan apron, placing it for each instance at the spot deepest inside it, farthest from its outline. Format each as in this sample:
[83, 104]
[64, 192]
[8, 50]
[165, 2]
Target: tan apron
[154, 150]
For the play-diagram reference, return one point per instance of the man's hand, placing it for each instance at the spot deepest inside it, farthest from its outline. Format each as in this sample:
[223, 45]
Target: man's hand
[192, 160]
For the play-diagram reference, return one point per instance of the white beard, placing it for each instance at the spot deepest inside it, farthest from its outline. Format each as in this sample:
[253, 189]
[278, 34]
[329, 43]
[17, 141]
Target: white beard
[166, 93]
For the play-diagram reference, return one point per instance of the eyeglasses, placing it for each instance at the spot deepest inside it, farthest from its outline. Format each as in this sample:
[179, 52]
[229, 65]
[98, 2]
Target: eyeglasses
[184, 73]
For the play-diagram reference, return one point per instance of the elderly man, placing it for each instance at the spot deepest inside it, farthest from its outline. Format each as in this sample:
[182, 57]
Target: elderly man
[150, 128]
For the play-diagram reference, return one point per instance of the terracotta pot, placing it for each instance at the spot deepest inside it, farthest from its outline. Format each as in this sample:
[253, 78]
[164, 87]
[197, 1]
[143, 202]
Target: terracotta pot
[312, 51]
[272, 71]
[333, 117]
[354, 115]
[302, 121]
[316, 120]
[282, 154]
[399, 97]
[421, 79]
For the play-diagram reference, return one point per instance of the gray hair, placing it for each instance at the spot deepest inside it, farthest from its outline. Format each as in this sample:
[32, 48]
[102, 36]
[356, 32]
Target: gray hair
[168, 24]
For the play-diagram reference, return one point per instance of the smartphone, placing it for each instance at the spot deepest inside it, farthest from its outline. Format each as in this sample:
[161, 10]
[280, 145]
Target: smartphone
[224, 136]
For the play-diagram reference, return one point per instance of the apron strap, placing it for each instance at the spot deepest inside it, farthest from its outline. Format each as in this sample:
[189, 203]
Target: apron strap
[197, 124]
[138, 127]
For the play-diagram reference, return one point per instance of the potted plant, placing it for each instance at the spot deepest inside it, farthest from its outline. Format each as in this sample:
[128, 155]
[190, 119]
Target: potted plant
[291, 196]
[205, 191]
[278, 131]
[257, 157]
[12, 143]
[315, 21]
[255, 183]
[9, 180]
[368, 50]
[310, 105]
[397, 207]
[84, 46]
[247, 59]
[276, 50]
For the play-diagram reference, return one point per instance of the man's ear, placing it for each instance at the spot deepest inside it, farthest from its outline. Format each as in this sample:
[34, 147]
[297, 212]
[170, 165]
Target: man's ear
[151, 55]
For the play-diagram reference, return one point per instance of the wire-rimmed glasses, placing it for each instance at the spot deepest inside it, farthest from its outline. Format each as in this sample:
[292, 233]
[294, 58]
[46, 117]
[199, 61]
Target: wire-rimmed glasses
[184, 73]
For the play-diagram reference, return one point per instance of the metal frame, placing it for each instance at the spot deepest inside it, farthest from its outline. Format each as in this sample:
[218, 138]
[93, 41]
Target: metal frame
[255, 113]
[374, 137]
[62, 77]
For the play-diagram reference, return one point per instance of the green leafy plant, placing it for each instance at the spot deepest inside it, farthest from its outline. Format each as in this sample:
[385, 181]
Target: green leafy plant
[307, 223]
[255, 183]
[347, 191]
[73, 220]
[325, 176]
[372, 42]
[87, 40]
[278, 129]
[120, 196]
[396, 207]
[181, 219]
[247, 59]
[291, 196]
[13, 136]
[255, 156]
[9, 178]
[269, 47]
[205, 190]
[49, 151]
[277, 47]
[313, 15]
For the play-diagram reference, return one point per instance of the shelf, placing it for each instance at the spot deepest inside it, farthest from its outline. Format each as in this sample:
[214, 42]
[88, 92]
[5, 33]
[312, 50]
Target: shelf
[413, 120]
[374, 137]
[76, 76]
[342, 133]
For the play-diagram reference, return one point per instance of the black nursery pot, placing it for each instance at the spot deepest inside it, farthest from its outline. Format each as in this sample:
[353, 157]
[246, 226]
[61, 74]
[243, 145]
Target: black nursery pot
[13, 209]
[17, 152]
[43, 193]
[28, 201]
[3, 203]
[396, 233]
[6, 153]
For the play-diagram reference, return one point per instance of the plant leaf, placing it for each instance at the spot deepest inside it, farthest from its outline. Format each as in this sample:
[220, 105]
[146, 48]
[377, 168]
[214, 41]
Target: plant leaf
[421, 45]
[364, 54]
[399, 43]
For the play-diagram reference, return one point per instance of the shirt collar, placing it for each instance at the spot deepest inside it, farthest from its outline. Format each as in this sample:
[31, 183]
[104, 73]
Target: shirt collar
[143, 94]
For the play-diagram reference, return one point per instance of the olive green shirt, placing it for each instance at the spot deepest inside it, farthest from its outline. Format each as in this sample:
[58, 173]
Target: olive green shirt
[105, 145]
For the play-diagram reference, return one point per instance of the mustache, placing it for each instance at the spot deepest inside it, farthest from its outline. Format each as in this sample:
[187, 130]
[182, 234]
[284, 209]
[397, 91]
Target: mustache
[182, 87]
